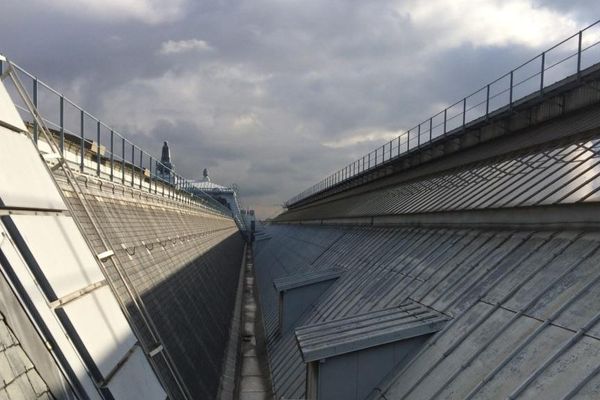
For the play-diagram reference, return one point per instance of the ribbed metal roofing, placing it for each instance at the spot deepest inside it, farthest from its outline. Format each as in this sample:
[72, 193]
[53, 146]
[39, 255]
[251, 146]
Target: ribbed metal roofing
[524, 306]
[210, 187]
[345, 335]
[563, 174]
[303, 279]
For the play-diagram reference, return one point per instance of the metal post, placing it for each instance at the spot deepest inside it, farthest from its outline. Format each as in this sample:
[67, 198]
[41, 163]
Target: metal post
[543, 67]
[445, 114]
[408, 141]
[123, 161]
[418, 136]
[390, 150]
[82, 144]
[150, 178]
[487, 101]
[579, 54]
[112, 155]
[35, 103]
[62, 125]
[510, 96]
[132, 165]
[430, 128]
[464, 112]
[98, 153]
[142, 176]
[369, 165]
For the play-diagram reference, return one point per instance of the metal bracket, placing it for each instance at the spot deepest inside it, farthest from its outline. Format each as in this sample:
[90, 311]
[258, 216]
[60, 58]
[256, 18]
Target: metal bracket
[51, 156]
[156, 350]
[105, 254]
[76, 295]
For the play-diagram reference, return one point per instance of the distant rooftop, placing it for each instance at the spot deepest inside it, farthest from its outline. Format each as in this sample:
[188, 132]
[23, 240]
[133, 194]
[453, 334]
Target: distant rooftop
[207, 186]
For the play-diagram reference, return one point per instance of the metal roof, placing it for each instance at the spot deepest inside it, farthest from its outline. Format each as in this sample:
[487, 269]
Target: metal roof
[211, 187]
[345, 335]
[524, 305]
[303, 279]
[559, 174]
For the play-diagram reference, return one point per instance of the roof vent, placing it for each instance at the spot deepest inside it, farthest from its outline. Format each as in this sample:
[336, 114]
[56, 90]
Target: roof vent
[348, 358]
[299, 292]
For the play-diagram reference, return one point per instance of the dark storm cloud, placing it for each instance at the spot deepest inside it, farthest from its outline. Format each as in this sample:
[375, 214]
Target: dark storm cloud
[275, 95]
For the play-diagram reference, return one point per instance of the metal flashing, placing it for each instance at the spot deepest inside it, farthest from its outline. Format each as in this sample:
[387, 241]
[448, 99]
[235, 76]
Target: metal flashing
[304, 279]
[105, 254]
[332, 338]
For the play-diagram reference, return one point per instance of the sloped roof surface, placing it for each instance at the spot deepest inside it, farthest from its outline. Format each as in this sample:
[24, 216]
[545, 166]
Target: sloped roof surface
[562, 174]
[332, 338]
[523, 305]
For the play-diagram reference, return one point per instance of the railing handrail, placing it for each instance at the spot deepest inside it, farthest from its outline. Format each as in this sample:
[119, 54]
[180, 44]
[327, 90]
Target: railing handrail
[355, 168]
[176, 182]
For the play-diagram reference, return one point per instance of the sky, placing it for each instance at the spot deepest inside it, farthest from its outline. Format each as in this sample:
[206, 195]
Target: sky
[275, 95]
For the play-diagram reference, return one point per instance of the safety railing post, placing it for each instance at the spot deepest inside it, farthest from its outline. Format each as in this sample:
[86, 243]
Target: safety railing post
[464, 116]
[430, 128]
[543, 68]
[82, 144]
[510, 94]
[445, 119]
[132, 165]
[150, 178]
[487, 101]
[580, 39]
[35, 103]
[418, 137]
[112, 155]
[123, 161]
[61, 121]
[98, 149]
[142, 176]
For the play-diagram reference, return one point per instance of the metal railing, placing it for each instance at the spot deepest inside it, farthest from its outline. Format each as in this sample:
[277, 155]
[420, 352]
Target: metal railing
[113, 156]
[569, 57]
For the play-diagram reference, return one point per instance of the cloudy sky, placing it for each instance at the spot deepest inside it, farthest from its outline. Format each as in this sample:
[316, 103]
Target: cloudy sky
[275, 95]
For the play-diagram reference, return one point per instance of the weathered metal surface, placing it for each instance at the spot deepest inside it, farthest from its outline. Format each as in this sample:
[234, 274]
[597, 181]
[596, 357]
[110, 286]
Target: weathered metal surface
[521, 303]
[555, 175]
[333, 338]
[181, 263]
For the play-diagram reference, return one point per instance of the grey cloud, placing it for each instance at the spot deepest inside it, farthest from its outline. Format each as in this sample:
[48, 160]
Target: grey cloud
[281, 79]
